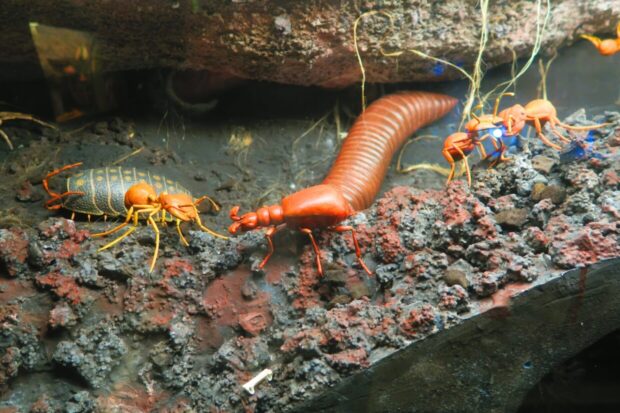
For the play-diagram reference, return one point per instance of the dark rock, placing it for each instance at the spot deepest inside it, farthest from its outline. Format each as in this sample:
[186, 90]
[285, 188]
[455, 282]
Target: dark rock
[93, 354]
[249, 290]
[81, 402]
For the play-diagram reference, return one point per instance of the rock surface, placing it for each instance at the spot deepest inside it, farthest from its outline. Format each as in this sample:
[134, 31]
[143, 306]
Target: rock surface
[304, 43]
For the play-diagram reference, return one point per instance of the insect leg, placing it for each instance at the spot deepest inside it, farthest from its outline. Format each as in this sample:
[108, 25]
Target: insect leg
[130, 214]
[55, 196]
[207, 230]
[130, 230]
[154, 225]
[6, 138]
[358, 252]
[542, 137]
[556, 132]
[316, 249]
[214, 204]
[452, 163]
[181, 233]
[466, 164]
[117, 240]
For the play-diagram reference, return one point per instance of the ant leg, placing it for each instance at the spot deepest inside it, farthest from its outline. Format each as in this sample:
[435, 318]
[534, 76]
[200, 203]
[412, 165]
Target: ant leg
[593, 39]
[6, 138]
[130, 214]
[214, 204]
[154, 225]
[557, 121]
[542, 137]
[468, 170]
[183, 240]
[207, 230]
[558, 134]
[552, 123]
[480, 146]
[511, 120]
[117, 240]
[316, 249]
[358, 252]
[129, 231]
[464, 157]
[452, 163]
[502, 156]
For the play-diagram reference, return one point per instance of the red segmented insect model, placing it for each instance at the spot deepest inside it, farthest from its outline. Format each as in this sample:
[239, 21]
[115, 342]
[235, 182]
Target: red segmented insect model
[356, 176]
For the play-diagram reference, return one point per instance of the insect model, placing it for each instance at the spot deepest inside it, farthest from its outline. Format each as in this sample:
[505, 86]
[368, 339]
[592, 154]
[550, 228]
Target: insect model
[606, 47]
[134, 194]
[355, 178]
[537, 113]
[484, 132]
[496, 134]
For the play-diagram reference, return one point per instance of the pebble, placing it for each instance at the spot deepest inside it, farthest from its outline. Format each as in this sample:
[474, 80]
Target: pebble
[543, 164]
[514, 217]
[453, 277]
[556, 193]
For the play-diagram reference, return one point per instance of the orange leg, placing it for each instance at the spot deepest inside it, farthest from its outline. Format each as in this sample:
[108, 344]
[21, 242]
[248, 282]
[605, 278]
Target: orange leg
[511, 121]
[181, 236]
[269, 235]
[483, 151]
[502, 156]
[54, 195]
[538, 127]
[552, 124]
[452, 163]
[151, 221]
[358, 252]
[214, 204]
[464, 158]
[197, 216]
[134, 212]
[205, 229]
[317, 252]
[480, 146]
[556, 121]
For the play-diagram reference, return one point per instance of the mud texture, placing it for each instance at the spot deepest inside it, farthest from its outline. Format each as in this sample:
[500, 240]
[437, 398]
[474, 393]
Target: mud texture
[111, 336]
[296, 42]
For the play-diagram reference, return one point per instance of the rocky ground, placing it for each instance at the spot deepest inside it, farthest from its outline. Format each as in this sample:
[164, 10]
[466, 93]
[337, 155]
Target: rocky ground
[111, 336]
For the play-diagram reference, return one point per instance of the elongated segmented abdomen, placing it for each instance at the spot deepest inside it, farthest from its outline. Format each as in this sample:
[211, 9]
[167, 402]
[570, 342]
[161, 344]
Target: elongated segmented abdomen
[104, 189]
[375, 137]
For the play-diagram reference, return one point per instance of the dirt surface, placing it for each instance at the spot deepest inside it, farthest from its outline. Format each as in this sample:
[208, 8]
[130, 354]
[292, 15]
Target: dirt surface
[292, 42]
[82, 328]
